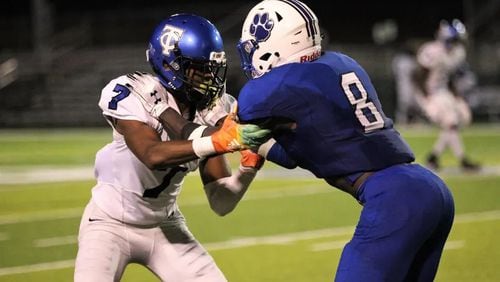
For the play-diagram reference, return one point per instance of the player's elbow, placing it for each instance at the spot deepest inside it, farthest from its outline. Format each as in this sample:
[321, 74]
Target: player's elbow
[221, 198]
[222, 213]
[222, 209]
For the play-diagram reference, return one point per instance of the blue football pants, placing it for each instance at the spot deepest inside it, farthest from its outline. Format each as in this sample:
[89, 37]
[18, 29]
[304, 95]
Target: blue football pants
[406, 218]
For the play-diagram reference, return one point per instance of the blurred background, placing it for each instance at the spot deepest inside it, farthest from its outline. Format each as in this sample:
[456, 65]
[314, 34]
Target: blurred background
[55, 55]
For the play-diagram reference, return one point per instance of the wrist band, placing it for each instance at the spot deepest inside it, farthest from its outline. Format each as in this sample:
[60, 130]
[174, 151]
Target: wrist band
[197, 132]
[203, 146]
[264, 148]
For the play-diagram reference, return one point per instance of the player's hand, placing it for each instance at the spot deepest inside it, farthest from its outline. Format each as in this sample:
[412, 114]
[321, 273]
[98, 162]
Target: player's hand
[233, 136]
[153, 100]
[250, 159]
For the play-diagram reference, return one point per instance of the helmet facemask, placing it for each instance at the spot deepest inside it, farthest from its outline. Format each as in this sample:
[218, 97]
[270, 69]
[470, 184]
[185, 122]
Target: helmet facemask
[203, 82]
[246, 50]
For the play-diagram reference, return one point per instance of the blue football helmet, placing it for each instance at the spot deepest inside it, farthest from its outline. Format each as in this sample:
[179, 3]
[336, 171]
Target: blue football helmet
[187, 54]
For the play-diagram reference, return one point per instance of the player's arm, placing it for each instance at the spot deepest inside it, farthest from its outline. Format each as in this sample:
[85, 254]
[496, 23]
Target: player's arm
[274, 152]
[230, 136]
[419, 76]
[180, 128]
[148, 147]
[223, 189]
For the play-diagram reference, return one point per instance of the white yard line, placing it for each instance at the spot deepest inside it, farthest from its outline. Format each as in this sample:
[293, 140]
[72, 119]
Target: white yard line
[308, 190]
[37, 267]
[70, 263]
[424, 130]
[41, 216]
[27, 175]
[55, 241]
[77, 212]
[339, 244]
[326, 246]
[44, 174]
[285, 238]
[454, 245]
[477, 216]
[280, 239]
[39, 174]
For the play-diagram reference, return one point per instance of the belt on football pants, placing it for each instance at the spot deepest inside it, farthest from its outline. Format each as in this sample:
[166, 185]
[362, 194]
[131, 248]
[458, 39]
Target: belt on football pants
[347, 186]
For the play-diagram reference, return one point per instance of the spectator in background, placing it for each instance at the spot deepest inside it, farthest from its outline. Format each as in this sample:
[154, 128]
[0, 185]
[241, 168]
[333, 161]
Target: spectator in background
[440, 61]
[403, 66]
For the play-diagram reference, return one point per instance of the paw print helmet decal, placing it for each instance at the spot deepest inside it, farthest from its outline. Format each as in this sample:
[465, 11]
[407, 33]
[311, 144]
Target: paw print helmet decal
[277, 32]
[261, 27]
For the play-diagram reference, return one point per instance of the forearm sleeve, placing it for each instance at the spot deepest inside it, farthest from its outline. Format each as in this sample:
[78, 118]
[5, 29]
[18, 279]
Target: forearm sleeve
[224, 193]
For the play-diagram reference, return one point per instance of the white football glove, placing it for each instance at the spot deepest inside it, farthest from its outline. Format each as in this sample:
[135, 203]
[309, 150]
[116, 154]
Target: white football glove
[150, 92]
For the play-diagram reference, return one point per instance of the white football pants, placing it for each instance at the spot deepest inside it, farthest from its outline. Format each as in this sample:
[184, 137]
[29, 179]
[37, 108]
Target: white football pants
[169, 250]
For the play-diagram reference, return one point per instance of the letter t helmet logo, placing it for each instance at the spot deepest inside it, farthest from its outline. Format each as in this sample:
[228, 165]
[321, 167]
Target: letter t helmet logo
[169, 37]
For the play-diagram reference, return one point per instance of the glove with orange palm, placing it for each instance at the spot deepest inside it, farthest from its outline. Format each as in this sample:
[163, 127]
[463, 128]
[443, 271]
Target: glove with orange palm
[251, 160]
[231, 137]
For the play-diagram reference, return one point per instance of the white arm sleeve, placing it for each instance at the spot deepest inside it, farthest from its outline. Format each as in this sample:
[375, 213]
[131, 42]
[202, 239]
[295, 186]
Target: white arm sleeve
[264, 148]
[224, 193]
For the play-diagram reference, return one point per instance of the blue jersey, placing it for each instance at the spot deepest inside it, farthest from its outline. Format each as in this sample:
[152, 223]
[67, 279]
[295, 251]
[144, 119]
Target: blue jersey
[340, 126]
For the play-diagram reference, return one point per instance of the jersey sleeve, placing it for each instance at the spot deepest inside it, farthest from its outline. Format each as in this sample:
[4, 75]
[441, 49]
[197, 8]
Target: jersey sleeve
[279, 156]
[255, 101]
[118, 101]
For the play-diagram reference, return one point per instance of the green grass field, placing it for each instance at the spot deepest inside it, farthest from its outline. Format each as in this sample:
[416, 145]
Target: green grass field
[288, 228]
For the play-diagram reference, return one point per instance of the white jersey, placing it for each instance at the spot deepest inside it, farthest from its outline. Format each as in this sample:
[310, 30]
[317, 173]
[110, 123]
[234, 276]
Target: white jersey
[126, 189]
[441, 63]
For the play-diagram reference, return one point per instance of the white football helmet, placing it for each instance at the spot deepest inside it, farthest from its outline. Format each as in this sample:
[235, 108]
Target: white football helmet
[278, 32]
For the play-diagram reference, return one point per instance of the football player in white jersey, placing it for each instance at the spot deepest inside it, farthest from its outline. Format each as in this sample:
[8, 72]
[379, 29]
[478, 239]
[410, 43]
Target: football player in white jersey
[439, 61]
[133, 216]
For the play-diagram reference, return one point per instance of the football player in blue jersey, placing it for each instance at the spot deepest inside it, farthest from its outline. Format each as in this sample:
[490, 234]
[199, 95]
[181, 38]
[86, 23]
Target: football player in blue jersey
[325, 117]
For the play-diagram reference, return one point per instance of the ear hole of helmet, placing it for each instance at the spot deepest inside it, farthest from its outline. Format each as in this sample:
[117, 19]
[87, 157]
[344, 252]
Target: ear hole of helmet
[265, 57]
[278, 16]
[268, 56]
